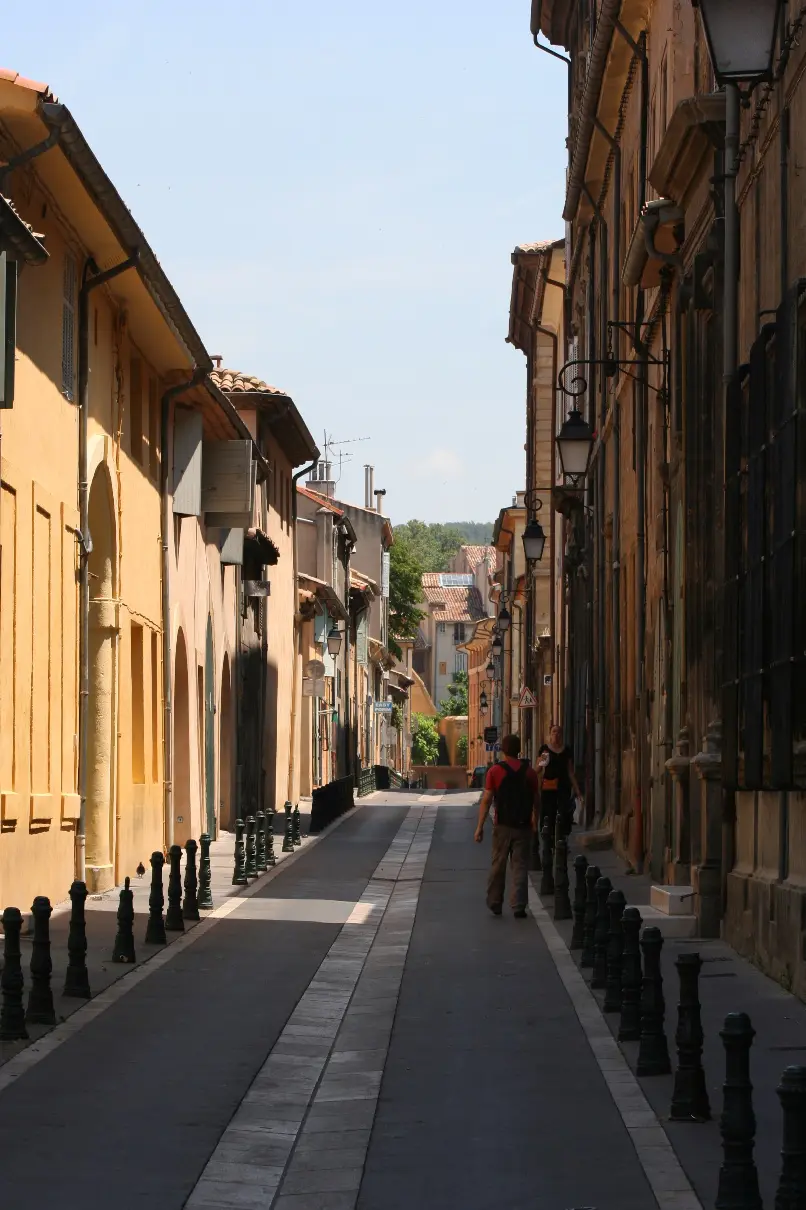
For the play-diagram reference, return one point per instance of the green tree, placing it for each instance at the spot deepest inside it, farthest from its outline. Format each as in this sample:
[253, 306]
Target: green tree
[456, 701]
[461, 749]
[475, 533]
[397, 717]
[433, 545]
[405, 592]
[424, 740]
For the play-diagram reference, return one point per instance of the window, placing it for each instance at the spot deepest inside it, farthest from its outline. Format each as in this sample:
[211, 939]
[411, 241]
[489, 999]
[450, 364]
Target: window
[461, 662]
[69, 291]
[459, 632]
[138, 711]
[136, 409]
[441, 627]
[155, 711]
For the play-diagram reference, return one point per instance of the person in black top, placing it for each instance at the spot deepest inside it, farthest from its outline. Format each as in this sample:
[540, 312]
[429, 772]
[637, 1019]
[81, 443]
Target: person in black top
[558, 780]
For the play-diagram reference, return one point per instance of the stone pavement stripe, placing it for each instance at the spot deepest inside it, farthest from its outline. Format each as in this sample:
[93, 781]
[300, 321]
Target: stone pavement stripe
[352, 1077]
[670, 1185]
[278, 1100]
[39, 1050]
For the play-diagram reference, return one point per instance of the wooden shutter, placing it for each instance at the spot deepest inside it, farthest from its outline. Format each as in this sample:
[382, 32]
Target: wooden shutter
[227, 483]
[231, 546]
[187, 463]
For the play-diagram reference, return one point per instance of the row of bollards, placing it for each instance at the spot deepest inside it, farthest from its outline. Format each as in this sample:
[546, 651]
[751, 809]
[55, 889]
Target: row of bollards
[254, 842]
[40, 1009]
[612, 944]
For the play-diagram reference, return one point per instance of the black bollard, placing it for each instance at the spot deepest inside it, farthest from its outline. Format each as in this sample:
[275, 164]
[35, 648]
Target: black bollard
[630, 1023]
[535, 864]
[40, 998]
[271, 856]
[791, 1193]
[190, 904]
[76, 979]
[205, 894]
[296, 831]
[12, 1015]
[690, 1096]
[578, 935]
[562, 901]
[251, 847]
[288, 838]
[173, 916]
[616, 904]
[738, 1178]
[601, 933]
[653, 1053]
[239, 873]
[123, 949]
[155, 929]
[546, 861]
[592, 876]
[260, 856]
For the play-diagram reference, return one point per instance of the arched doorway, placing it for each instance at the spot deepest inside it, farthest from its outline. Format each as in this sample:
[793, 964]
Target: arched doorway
[181, 754]
[209, 731]
[227, 815]
[100, 817]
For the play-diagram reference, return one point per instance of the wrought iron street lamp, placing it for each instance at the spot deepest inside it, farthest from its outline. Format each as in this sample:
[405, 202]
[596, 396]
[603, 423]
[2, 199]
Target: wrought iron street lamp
[575, 445]
[482, 708]
[334, 641]
[497, 646]
[504, 620]
[534, 537]
[741, 38]
[483, 700]
[490, 670]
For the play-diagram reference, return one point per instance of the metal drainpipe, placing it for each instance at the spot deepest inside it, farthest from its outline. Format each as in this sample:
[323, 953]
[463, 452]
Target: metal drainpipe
[88, 284]
[297, 643]
[168, 396]
[553, 337]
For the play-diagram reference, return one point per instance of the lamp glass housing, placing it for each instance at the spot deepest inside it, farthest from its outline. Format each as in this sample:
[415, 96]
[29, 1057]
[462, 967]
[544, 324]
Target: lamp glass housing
[490, 670]
[504, 620]
[482, 709]
[575, 445]
[334, 641]
[483, 700]
[497, 645]
[534, 541]
[741, 38]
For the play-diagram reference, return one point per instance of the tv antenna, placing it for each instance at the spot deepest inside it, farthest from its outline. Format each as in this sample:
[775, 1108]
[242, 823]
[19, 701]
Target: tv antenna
[343, 456]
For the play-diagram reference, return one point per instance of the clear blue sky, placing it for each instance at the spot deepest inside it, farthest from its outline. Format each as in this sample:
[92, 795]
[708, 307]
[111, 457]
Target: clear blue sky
[335, 190]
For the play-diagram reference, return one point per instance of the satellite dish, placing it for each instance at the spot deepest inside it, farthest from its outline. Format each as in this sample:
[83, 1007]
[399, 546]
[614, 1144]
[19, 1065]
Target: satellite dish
[315, 669]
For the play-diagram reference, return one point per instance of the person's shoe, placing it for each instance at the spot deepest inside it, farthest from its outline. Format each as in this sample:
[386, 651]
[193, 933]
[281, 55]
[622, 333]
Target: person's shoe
[495, 908]
[519, 913]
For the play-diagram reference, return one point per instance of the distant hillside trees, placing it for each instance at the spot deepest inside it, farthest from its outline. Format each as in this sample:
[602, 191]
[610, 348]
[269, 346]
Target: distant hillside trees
[434, 545]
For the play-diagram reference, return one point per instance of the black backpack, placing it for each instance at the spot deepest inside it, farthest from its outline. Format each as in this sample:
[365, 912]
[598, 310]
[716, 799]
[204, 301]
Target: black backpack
[514, 798]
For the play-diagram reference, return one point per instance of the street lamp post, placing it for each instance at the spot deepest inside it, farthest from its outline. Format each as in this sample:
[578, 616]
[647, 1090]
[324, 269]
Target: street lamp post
[334, 641]
[575, 446]
[534, 538]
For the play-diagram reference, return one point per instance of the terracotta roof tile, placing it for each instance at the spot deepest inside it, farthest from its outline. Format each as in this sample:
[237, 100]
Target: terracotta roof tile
[233, 381]
[322, 501]
[14, 77]
[477, 554]
[462, 604]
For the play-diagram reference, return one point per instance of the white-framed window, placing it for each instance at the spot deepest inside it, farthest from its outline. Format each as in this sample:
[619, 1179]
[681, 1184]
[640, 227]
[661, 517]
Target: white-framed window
[441, 627]
[459, 632]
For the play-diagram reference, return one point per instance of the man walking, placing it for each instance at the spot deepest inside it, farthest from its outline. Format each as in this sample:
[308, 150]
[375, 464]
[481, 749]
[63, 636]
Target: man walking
[513, 786]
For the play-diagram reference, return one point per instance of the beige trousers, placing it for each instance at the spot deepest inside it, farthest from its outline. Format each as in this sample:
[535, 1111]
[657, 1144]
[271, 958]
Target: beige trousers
[517, 843]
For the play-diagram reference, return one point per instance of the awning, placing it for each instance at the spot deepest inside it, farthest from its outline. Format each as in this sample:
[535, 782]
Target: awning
[326, 593]
[260, 547]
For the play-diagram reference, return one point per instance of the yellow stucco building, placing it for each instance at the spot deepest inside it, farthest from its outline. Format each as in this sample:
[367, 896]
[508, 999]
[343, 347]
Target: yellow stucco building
[101, 340]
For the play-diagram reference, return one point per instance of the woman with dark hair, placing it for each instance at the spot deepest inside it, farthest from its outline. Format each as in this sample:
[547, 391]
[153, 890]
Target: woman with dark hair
[556, 768]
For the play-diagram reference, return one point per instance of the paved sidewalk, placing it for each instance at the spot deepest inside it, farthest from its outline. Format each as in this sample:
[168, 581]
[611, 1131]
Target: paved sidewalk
[101, 915]
[728, 983]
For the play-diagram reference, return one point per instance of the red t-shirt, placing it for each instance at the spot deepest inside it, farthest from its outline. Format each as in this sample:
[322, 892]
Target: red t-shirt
[495, 775]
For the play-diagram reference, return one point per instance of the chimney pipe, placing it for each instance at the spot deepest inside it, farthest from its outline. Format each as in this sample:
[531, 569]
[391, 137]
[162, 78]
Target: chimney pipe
[371, 487]
[378, 494]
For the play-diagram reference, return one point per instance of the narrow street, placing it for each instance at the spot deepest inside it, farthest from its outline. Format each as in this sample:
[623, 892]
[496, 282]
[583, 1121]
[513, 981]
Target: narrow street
[358, 1030]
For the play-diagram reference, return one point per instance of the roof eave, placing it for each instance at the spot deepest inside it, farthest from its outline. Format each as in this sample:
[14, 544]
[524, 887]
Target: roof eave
[79, 154]
[17, 238]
